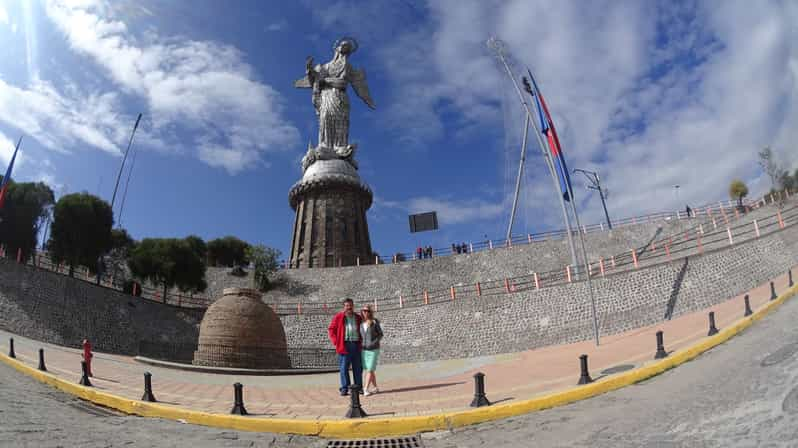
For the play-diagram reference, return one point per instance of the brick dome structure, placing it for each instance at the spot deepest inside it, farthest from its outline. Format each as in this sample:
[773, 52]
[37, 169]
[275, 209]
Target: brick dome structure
[240, 331]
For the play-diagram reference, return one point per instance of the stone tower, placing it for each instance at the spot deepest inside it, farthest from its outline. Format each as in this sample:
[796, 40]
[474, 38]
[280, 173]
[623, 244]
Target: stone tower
[330, 227]
[330, 200]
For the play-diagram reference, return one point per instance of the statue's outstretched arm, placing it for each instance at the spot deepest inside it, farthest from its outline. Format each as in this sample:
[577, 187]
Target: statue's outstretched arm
[358, 80]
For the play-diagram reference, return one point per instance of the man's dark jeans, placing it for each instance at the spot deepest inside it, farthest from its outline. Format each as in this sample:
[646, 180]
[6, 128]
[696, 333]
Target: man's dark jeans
[352, 358]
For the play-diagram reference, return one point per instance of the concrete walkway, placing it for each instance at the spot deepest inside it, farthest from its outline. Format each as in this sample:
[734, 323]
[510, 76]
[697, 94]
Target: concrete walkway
[406, 389]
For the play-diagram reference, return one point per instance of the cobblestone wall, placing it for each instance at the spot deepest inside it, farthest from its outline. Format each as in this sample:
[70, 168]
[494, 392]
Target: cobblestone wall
[366, 282]
[561, 314]
[57, 309]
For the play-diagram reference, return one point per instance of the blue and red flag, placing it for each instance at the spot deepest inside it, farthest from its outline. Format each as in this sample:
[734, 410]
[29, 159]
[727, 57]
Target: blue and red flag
[547, 129]
[7, 177]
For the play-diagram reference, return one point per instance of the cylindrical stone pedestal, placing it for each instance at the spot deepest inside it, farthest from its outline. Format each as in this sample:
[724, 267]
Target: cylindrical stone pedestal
[240, 331]
[330, 227]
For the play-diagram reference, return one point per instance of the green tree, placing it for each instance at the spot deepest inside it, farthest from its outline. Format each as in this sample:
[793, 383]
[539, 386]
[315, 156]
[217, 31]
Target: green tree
[788, 182]
[198, 245]
[81, 231]
[26, 206]
[121, 242]
[168, 262]
[738, 190]
[265, 262]
[228, 251]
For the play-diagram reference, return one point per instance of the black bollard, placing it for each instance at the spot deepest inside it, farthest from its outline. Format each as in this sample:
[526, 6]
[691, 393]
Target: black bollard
[789, 278]
[42, 367]
[479, 391]
[773, 295]
[84, 379]
[355, 411]
[748, 310]
[148, 396]
[661, 353]
[238, 395]
[11, 353]
[584, 377]
[713, 330]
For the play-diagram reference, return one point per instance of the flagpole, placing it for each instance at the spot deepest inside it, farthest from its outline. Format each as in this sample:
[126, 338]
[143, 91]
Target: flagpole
[127, 184]
[518, 180]
[124, 158]
[495, 44]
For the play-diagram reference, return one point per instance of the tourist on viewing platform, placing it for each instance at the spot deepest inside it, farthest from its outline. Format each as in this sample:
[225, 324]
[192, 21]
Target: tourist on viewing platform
[345, 336]
[464, 248]
[419, 253]
[455, 249]
[370, 334]
[688, 210]
[428, 252]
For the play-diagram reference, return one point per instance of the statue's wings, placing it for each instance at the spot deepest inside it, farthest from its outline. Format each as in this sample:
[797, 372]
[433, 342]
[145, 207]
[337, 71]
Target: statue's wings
[303, 83]
[358, 80]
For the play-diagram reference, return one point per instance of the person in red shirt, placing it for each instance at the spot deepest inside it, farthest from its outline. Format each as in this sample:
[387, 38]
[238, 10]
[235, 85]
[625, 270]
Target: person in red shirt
[87, 356]
[344, 332]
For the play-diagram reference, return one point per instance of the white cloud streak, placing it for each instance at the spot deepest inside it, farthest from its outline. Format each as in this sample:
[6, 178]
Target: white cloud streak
[201, 87]
[648, 95]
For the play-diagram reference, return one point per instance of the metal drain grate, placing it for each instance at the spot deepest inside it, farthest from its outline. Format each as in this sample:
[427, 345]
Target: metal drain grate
[397, 442]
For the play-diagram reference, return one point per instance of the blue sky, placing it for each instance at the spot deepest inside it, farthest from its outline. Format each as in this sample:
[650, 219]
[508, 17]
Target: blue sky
[649, 94]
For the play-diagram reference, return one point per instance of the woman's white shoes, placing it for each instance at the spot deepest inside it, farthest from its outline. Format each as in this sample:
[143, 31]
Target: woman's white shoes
[376, 390]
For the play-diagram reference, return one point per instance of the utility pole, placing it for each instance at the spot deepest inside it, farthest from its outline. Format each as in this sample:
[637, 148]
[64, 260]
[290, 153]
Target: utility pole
[595, 184]
[124, 158]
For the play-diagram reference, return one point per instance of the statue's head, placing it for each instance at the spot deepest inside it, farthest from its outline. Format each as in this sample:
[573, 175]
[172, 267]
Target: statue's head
[346, 45]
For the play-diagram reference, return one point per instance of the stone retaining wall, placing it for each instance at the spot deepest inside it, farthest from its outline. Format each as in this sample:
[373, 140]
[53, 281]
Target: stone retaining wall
[54, 308]
[561, 314]
[369, 281]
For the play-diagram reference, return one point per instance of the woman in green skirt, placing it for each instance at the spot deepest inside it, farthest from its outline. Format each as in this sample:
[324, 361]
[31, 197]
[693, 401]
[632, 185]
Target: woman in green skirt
[370, 334]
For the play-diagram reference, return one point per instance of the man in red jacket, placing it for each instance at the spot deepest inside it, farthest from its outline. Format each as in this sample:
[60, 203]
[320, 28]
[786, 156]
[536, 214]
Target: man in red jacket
[344, 332]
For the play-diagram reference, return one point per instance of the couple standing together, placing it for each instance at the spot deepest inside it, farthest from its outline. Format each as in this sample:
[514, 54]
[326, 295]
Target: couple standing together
[356, 338]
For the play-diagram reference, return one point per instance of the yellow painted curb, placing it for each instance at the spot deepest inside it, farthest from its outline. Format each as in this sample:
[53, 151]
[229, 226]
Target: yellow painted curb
[381, 427]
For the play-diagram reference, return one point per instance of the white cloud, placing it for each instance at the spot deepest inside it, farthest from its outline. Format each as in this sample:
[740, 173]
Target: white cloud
[203, 86]
[3, 15]
[648, 95]
[277, 26]
[60, 121]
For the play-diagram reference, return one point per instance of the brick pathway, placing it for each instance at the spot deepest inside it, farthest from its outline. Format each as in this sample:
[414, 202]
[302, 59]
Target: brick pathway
[406, 389]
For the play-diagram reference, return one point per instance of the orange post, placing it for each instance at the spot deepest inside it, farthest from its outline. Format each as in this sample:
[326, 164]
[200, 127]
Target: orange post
[634, 257]
[537, 281]
[479, 289]
[568, 273]
[507, 285]
[756, 228]
[451, 291]
[426, 297]
[781, 221]
[728, 232]
[601, 266]
[401, 302]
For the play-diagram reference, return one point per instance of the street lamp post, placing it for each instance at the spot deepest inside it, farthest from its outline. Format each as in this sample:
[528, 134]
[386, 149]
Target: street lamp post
[595, 184]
